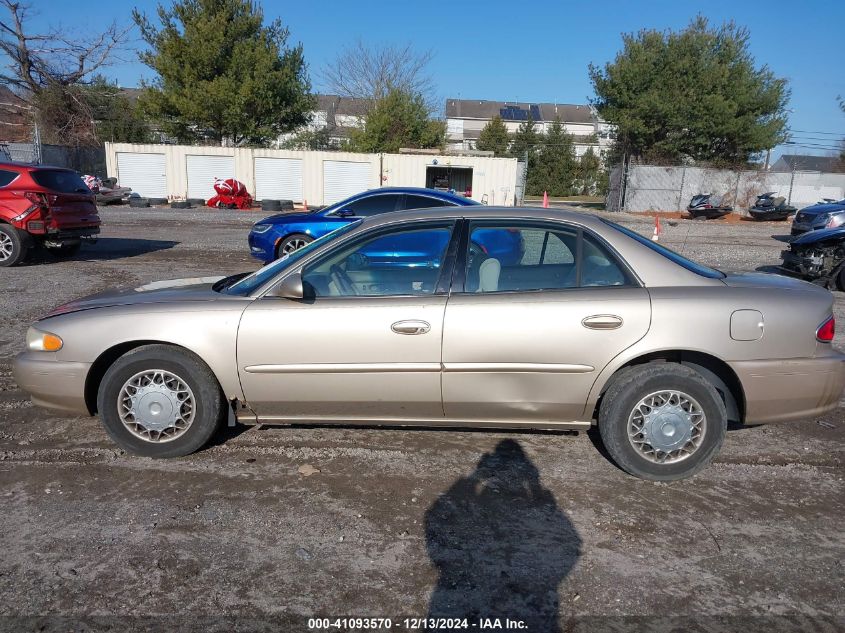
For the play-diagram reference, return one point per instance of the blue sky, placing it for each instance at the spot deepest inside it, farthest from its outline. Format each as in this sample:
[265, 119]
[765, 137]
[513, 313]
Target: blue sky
[540, 51]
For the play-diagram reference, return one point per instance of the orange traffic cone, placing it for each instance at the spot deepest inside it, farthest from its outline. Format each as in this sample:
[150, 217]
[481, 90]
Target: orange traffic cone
[305, 205]
[656, 235]
[545, 199]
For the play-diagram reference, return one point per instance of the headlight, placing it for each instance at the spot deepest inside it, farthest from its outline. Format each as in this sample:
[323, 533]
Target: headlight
[39, 341]
[261, 228]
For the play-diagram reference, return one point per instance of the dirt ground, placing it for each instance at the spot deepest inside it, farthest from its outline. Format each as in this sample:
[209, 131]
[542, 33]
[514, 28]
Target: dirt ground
[271, 526]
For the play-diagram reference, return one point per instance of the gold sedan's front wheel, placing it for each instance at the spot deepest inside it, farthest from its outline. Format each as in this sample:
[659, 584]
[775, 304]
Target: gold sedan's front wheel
[160, 401]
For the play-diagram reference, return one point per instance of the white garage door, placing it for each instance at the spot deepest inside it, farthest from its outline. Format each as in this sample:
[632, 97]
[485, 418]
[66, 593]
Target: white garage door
[278, 179]
[143, 173]
[202, 170]
[342, 179]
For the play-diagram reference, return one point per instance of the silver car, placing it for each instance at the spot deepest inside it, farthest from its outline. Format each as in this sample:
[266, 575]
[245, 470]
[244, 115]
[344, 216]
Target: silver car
[406, 318]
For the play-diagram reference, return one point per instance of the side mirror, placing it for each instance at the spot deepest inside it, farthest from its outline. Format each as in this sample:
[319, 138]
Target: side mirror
[289, 288]
[345, 213]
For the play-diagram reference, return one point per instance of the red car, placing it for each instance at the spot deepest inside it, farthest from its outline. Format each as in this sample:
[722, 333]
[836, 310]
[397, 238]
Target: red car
[50, 206]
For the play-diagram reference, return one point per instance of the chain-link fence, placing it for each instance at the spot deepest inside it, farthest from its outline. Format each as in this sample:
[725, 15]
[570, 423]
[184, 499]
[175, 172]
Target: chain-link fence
[86, 160]
[654, 188]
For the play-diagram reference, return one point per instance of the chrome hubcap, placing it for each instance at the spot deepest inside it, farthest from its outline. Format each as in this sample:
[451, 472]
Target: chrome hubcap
[156, 405]
[5, 247]
[666, 427]
[293, 245]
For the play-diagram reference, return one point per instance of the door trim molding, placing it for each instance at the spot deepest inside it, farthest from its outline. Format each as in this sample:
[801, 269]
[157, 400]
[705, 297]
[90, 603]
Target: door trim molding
[545, 368]
[342, 368]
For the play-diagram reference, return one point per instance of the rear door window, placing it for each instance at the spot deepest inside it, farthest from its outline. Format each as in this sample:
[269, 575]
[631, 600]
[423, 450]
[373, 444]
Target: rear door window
[6, 177]
[424, 202]
[60, 181]
[373, 205]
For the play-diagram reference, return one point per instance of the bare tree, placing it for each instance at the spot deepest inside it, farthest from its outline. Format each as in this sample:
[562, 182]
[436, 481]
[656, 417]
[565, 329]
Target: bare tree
[49, 68]
[370, 72]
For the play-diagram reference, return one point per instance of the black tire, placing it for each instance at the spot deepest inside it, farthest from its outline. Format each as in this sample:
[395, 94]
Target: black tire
[157, 202]
[210, 406]
[286, 205]
[290, 239]
[139, 203]
[14, 246]
[196, 202]
[65, 250]
[180, 204]
[271, 205]
[637, 382]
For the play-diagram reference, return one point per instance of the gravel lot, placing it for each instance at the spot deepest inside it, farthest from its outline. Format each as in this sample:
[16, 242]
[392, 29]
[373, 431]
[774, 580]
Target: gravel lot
[272, 525]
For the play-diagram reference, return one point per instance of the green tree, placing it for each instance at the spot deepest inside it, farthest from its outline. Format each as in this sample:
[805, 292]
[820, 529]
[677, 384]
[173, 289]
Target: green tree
[695, 93]
[556, 170]
[494, 137]
[525, 140]
[319, 139]
[223, 73]
[588, 174]
[400, 119]
[116, 117]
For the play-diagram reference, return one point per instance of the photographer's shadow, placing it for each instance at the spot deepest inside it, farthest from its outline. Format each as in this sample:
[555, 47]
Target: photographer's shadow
[501, 544]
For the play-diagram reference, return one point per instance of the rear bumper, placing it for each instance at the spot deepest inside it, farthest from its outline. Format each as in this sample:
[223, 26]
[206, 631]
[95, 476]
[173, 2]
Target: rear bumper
[72, 233]
[791, 389]
[53, 384]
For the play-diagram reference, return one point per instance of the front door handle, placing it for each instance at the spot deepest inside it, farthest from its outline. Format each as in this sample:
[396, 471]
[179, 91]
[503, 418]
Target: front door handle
[602, 322]
[411, 327]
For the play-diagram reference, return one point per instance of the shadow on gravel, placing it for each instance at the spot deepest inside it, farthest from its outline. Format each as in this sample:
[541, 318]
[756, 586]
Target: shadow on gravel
[500, 543]
[105, 248]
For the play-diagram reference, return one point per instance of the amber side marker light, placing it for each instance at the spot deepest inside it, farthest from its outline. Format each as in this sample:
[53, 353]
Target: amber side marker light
[826, 331]
[39, 341]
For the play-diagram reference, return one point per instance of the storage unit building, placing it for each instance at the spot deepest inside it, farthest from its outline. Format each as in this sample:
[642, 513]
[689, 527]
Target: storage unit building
[342, 179]
[202, 170]
[144, 173]
[278, 179]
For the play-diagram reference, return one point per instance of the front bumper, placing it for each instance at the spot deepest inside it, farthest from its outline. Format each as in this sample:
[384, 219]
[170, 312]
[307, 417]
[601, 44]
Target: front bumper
[801, 265]
[261, 246]
[791, 389]
[52, 383]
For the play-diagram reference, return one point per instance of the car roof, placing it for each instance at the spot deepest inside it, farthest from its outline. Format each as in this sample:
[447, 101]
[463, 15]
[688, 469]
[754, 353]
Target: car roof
[423, 191]
[484, 211]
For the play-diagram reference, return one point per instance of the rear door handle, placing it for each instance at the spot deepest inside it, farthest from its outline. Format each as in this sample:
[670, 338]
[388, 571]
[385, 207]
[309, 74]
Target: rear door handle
[411, 327]
[602, 322]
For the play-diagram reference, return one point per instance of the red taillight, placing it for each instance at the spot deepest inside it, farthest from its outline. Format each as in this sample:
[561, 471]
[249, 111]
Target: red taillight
[826, 331]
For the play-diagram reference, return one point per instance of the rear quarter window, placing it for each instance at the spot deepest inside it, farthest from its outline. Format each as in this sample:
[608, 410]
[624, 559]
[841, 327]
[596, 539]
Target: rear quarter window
[6, 177]
[60, 181]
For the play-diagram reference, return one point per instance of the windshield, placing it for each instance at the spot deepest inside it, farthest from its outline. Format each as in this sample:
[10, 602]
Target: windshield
[261, 276]
[669, 254]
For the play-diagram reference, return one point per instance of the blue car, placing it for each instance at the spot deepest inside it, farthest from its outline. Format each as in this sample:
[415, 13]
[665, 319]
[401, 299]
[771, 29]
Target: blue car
[282, 234]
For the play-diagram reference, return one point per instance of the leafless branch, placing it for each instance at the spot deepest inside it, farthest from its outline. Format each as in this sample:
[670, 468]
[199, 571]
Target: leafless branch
[370, 72]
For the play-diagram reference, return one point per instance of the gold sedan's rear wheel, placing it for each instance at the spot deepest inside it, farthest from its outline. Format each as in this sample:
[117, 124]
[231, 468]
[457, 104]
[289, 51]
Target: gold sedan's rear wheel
[662, 421]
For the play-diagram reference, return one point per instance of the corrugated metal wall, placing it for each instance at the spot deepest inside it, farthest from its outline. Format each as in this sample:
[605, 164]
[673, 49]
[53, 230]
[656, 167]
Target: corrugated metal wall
[494, 179]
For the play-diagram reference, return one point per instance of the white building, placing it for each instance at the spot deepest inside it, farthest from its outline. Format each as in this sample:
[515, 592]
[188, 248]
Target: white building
[465, 118]
[338, 115]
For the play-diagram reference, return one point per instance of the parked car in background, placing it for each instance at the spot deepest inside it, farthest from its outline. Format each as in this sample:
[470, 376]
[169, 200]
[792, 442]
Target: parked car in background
[47, 206]
[284, 233]
[594, 324]
[828, 214]
[817, 256]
